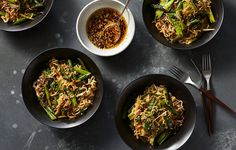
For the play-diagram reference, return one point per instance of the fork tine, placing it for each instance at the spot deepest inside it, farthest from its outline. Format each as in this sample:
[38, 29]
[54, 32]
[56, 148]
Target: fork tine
[209, 61]
[174, 73]
[179, 71]
[204, 62]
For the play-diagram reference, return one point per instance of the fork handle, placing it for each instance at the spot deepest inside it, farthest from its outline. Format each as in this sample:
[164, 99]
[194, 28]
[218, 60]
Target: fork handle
[210, 112]
[216, 100]
[206, 113]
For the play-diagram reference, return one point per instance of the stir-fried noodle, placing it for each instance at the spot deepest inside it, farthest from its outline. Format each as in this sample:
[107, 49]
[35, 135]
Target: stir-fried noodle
[19, 11]
[183, 21]
[65, 89]
[156, 115]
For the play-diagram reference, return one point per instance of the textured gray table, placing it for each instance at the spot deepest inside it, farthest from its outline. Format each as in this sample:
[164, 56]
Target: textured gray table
[19, 130]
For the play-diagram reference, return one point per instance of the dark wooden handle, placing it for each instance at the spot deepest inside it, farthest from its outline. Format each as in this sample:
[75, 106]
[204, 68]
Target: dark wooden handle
[210, 112]
[218, 101]
[206, 113]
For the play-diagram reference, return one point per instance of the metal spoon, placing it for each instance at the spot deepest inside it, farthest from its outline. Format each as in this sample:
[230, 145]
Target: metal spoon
[117, 24]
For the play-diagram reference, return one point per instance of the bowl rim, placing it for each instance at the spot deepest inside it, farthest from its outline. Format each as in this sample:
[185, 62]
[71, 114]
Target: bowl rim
[135, 81]
[131, 36]
[170, 45]
[68, 125]
[26, 27]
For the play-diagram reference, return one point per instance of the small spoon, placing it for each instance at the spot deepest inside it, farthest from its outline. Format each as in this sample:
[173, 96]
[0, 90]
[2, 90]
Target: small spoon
[117, 24]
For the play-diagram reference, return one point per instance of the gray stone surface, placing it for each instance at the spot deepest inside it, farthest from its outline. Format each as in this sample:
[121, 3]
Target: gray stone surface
[19, 130]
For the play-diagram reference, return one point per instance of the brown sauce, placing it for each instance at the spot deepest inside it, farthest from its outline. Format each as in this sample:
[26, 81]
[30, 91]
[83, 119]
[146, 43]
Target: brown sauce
[96, 24]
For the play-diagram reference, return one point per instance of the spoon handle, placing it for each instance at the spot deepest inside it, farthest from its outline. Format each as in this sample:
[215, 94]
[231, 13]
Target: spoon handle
[126, 4]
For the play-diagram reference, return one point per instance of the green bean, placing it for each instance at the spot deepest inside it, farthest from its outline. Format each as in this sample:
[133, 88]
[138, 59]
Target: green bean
[163, 137]
[131, 115]
[50, 113]
[29, 16]
[81, 71]
[12, 1]
[211, 16]
[19, 20]
[55, 101]
[159, 7]
[73, 99]
[82, 64]
[38, 5]
[180, 5]
[62, 116]
[179, 9]
[69, 62]
[47, 95]
[195, 21]
[2, 13]
[83, 77]
[169, 101]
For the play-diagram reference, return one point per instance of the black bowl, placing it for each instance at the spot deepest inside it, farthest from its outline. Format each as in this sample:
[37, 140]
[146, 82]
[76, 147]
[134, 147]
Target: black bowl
[136, 88]
[34, 70]
[28, 24]
[148, 17]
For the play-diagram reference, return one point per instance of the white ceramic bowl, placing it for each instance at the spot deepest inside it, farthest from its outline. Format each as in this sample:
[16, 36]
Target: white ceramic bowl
[82, 22]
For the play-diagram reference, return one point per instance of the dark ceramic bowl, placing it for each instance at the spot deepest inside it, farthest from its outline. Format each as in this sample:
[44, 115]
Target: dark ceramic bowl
[34, 70]
[136, 88]
[28, 24]
[148, 17]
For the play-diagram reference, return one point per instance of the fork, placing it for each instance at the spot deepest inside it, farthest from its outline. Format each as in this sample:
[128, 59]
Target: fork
[185, 78]
[204, 104]
[206, 72]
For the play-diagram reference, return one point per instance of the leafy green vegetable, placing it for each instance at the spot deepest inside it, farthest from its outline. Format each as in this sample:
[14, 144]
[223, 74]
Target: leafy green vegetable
[166, 5]
[177, 25]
